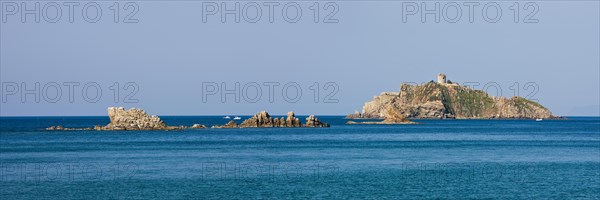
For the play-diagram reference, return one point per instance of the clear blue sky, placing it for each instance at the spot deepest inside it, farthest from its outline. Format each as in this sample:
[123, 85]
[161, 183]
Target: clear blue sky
[170, 52]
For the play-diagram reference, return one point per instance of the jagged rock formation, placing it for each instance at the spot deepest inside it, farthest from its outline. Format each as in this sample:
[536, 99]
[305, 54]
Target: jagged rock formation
[312, 121]
[291, 120]
[230, 124]
[133, 119]
[263, 119]
[450, 100]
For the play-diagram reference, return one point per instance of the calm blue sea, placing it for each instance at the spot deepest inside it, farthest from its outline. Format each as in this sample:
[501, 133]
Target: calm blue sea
[521, 159]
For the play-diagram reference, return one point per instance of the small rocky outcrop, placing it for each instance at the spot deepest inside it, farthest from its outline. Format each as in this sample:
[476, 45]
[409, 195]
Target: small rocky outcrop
[264, 120]
[261, 119]
[134, 119]
[197, 126]
[354, 115]
[56, 128]
[312, 121]
[230, 124]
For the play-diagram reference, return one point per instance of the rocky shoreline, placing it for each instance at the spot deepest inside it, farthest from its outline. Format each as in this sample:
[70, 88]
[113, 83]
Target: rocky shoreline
[138, 119]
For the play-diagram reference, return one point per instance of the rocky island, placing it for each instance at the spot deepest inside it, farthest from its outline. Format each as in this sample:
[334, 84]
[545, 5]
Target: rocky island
[444, 99]
[134, 119]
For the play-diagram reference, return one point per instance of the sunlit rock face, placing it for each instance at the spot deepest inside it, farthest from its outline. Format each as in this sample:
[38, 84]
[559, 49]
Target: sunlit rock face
[444, 99]
[263, 119]
[133, 119]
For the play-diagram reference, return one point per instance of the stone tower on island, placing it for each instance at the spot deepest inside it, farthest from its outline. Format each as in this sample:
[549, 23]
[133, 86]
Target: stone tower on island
[441, 78]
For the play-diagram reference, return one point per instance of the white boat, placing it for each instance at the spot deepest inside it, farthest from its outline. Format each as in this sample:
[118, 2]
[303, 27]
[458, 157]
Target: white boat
[538, 119]
[237, 118]
[226, 117]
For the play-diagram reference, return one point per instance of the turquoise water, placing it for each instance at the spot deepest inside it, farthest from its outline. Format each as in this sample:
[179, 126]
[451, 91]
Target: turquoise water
[436, 159]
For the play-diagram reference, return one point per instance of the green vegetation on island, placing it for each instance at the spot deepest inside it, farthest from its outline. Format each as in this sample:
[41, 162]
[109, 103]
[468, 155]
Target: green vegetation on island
[445, 99]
